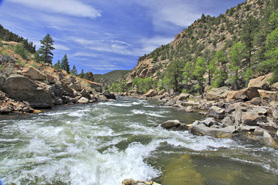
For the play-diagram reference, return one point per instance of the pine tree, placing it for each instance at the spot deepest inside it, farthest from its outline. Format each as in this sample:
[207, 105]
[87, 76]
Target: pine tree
[46, 49]
[199, 71]
[247, 36]
[65, 64]
[57, 65]
[81, 75]
[73, 70]
[271, 54]
[174, 74]
[220, 74]
[237, 54]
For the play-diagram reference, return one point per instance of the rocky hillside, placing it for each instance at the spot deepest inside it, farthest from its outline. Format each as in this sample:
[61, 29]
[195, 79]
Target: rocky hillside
[25, 84]
[108, 78]
[248, 23]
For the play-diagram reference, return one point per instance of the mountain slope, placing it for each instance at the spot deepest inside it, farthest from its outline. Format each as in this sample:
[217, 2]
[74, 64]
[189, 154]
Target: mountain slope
[110, 77]
[247, 23]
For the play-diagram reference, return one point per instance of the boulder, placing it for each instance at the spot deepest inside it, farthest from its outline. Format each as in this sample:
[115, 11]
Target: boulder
[85, 94]
[250, 118]
[183, 96]
[2, 80]
[21, 88]
[151, 93]
[268, 96]
[227, 121]
[161, 92]
[83, 100]
[96, 86]
[217, 93]
[276, 136]
[189, 109]
[171, 124]
[76, 86]
[256, 101]
[58, 101]
[33, 74]
[200, 129]
[268, 140]
[109, 95]
[216, 112]
[260, 82]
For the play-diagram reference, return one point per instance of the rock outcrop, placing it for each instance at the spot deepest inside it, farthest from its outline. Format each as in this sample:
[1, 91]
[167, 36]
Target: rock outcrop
[27, 85]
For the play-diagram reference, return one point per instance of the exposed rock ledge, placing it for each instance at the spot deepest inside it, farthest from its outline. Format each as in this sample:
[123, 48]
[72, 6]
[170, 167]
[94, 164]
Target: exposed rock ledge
[27, 89]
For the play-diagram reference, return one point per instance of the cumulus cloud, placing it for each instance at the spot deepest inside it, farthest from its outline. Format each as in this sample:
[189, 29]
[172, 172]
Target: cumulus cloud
[66, 7]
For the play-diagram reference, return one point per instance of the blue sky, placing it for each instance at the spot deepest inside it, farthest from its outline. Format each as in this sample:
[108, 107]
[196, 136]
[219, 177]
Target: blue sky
[105, 35]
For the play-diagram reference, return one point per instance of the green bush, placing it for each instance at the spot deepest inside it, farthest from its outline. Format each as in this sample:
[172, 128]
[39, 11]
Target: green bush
[19, 49]
[143, 84]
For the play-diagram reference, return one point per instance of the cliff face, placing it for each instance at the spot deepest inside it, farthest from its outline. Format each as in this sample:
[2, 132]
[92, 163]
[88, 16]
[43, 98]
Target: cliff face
[204, 37]
[38, 85]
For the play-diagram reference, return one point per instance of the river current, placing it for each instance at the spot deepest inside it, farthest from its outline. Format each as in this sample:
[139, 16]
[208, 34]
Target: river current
[105, 143]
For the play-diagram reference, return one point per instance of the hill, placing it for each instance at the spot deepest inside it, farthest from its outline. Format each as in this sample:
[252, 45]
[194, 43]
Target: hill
[26, 84]
[108, 78]
[200, 56]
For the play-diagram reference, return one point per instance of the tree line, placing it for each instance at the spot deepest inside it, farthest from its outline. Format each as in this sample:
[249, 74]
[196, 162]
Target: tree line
[7, 35]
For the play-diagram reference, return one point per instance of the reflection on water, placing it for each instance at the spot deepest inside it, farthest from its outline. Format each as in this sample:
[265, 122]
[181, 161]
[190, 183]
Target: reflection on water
[107, 142]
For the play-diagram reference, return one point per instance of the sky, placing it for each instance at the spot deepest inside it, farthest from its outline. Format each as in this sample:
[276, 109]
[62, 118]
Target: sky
[105, 35]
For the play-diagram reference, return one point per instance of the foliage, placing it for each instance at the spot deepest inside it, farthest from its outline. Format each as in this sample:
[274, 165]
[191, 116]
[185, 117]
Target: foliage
[237, 54]
[143, 85]
[118, 87]
[73, 71]
[65, 64]
[46, 49]
[199, 71]
[19, 49]
[7, 35]
[81, 75]
[37, 57]
[271, 54]
[174, 74]
[57, 65]
[220, 73]
[187, 72]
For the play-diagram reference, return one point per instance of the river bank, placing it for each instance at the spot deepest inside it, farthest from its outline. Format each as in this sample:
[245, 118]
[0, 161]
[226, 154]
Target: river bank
[250, 113]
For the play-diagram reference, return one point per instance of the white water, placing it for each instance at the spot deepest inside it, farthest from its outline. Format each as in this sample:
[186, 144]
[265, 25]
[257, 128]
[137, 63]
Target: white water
[101, 143]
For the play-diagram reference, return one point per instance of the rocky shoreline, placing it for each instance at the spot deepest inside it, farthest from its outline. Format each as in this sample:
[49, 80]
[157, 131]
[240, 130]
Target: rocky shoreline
[33, 86]
[249, 114]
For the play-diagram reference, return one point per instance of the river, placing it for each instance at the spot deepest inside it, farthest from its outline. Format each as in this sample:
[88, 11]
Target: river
[105, 143]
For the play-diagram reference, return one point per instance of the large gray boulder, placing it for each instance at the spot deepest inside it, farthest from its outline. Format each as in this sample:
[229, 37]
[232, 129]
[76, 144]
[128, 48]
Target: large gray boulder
[33, 74]
[216, 112]
[268, 140]
[21, 88]
[201, 129]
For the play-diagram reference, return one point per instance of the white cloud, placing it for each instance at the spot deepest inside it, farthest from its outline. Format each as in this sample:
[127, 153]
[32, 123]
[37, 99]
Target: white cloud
[84, 54]
[66, 7]
[61, 47]
[111, 46]
[176, 12]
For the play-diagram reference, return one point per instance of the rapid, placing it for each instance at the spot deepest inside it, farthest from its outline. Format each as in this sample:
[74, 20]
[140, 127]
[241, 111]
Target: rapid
[105, 143]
